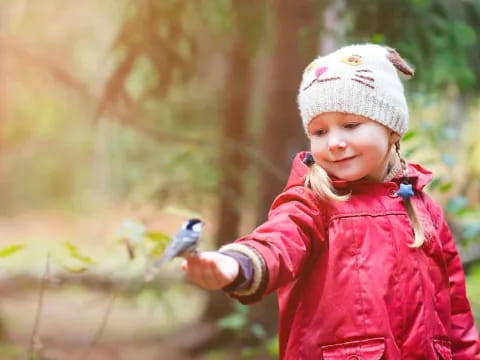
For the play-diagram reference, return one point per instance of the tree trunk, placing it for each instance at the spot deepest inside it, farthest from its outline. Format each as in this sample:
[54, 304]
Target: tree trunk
[232, 159]
[233, 142]
[232, 163]
[4, 200]
[3, 93]
[282, 135]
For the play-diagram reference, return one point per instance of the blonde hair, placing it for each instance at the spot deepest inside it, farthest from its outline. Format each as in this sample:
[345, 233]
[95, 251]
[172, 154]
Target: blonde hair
[319, 182]
[416, 224]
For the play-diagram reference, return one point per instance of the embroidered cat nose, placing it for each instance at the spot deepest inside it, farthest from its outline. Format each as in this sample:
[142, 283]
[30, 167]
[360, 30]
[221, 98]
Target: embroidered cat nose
[319, 71]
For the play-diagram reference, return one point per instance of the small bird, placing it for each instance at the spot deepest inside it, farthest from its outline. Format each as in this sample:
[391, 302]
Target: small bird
[184, 242]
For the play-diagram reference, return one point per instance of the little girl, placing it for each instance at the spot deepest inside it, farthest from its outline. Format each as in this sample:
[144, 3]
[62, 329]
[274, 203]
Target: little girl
[362, 259]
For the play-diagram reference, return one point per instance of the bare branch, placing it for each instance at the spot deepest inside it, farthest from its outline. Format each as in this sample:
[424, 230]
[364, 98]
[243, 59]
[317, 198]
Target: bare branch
[103, 324]
[35, 344]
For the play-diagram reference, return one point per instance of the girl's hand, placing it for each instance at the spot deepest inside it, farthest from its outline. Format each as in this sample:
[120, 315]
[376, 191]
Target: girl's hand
[211, 270]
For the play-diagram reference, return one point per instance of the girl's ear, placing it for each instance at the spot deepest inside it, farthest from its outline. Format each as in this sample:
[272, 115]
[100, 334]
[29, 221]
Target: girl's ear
[394, 137]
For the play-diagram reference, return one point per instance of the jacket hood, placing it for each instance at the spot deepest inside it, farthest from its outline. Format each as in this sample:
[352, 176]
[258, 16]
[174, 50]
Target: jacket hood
[418, 176]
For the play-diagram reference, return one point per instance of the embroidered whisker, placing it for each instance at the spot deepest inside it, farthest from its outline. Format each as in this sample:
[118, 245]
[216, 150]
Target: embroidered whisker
[364, 83]
[365, 77]
[320, 80]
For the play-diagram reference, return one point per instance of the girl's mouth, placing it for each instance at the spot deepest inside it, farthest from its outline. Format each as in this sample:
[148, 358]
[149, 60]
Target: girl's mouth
[343, 160]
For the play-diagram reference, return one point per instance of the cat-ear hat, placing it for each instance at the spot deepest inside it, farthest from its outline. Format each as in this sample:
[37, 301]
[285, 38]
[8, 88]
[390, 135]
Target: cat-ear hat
[357, 79]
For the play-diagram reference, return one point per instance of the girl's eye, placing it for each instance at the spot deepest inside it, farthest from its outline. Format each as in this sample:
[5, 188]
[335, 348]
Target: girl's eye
[351, 125]
[319, 132]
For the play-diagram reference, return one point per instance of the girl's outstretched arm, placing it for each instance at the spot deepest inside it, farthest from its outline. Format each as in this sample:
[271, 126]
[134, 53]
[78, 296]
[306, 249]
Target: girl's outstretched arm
[211, 270]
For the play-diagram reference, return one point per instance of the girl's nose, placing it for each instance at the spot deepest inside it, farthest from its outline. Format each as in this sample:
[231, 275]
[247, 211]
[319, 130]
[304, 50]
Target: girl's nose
[336, 143]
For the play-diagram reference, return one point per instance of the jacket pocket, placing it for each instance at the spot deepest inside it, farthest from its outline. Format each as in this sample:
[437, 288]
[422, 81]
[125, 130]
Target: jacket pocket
[368, 349]
[442, 349]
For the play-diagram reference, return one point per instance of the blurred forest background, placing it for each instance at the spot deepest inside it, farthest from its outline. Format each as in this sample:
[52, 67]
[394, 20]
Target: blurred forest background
[120, 119]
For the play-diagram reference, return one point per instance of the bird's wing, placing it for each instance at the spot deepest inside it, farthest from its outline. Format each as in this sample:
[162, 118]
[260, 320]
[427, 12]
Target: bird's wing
[169, 253]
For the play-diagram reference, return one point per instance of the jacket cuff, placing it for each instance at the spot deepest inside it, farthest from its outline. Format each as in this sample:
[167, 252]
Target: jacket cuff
[259, 268]
[245, 274]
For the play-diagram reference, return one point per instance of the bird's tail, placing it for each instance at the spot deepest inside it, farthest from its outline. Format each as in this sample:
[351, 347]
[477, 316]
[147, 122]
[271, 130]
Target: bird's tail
[152, 271]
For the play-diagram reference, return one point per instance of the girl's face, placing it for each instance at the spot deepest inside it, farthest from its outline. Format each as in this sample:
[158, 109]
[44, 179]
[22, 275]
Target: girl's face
[351, 147]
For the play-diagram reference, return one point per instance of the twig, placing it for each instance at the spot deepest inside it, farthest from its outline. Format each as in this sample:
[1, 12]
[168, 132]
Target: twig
[35, 343]
[102, 326]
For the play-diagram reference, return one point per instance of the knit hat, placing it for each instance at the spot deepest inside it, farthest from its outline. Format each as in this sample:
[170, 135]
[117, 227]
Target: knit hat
[357, 79]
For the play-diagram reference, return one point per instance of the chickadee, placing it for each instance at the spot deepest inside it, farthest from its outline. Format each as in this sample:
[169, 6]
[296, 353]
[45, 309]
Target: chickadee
[184, 242]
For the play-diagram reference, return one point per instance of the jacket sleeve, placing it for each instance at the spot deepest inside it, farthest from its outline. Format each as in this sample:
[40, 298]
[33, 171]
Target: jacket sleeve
[463, 334]
[293, 232]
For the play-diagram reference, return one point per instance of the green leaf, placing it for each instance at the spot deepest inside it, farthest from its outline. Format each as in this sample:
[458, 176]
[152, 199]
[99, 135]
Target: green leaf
[158, 249]
[378, 38]
[73, 269]
[75, 253]
[421, 4]
[157, 236]
[435, 183]
[464, 35]
[446, 186]
[10, 250]
[232, 322]
[161, 241]
[236, 320]
[409, 135]
[273, 347]
[258, 331]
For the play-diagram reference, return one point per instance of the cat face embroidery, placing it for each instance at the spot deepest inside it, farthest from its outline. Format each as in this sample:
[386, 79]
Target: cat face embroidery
[353, 66]
[358, 73]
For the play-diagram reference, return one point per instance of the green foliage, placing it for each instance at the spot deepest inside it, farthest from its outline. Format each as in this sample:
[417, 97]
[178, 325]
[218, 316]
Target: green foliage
[240, 324]
[457, 205]
[218, 16]
[74, 252]
[9, 351]
[236, 321]
[161, 241]
[72, 259]
[437, 36]
[433, 142]
[10, 250]
[139, 240]
[473, 286]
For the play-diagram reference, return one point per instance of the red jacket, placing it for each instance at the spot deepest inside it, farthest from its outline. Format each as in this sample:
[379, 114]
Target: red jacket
[350, 287]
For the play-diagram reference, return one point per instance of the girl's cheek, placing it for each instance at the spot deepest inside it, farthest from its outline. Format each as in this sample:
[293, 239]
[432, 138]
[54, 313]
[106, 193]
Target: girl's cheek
[315, 147]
